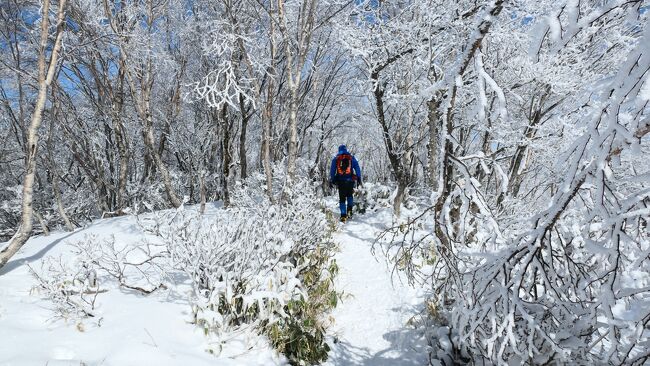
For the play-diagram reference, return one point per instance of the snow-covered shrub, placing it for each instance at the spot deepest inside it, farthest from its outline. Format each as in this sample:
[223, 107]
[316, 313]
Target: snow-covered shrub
[557, 295]
[72, 288]
[142, 267]
[256, 263]
[72, 285]
[147, 197]
[301, 335]
[372, 196]
[233, 262]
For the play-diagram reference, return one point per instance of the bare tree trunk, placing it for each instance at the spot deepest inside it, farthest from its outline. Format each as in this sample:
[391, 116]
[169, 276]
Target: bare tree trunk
[121, 139]
[447, 168]
[293, 135]
[266, 138]
[42, 223]
[399, 167]
[55, 175]
[243, 161]
[123, 152]
[59, 202]
[396, 163]
[45, 77]
[518, 161]
[433, 121]
[267, 114]
[202, 191]
[399, 198]
[294, 73]
[445, 178]
[225, 152]
[160, 165]
[293, 86]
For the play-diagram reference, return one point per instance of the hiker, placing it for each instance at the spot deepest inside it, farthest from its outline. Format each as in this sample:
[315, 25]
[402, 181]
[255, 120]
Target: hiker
[345, 173]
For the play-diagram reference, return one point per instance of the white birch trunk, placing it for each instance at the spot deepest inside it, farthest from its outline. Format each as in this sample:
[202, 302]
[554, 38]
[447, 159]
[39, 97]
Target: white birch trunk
[46, 73]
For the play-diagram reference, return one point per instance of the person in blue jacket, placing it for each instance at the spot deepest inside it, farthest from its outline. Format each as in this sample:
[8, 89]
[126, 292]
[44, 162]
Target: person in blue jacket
[345, 173]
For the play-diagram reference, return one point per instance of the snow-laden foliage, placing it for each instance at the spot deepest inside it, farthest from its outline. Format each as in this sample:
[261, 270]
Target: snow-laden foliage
[371, 197]
[234, 262]
[573, 285]
[247, 264]
[141, 267]
[72, 289]
[73, 286]
[535, 241]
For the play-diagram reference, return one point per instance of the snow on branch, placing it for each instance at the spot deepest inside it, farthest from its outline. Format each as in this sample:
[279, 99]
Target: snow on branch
[563, 289]
[225, 84]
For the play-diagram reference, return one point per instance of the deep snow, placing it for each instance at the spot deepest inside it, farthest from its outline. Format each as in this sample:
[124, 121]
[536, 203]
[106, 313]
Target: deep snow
[370, 325]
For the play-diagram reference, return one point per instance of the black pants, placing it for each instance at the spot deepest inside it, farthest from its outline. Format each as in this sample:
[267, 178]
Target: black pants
[346, 189]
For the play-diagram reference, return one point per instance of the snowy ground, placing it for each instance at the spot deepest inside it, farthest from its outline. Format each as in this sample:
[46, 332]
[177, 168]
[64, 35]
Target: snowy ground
[135, 329]
[370, 326]
[371, 322]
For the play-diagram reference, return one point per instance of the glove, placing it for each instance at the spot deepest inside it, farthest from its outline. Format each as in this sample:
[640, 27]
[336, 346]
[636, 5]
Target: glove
[359, 183]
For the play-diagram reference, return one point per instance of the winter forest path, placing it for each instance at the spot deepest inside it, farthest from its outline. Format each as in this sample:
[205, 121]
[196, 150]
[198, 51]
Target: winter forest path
[371, 322]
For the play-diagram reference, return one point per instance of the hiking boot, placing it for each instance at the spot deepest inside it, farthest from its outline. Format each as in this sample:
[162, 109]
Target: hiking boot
[349, 212]
[344, 218]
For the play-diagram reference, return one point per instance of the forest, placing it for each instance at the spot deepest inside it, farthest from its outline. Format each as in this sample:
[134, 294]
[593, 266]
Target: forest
[504, 146]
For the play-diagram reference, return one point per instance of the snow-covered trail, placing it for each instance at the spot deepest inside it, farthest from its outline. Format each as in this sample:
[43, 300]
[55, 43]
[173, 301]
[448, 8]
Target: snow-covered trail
[371, 323]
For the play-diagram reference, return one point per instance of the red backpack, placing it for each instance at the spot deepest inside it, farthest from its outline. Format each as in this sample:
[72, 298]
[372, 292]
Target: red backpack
[344, 165]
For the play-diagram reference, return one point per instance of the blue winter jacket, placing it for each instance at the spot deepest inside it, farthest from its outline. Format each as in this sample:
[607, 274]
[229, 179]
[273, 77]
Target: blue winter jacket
[355, 167]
